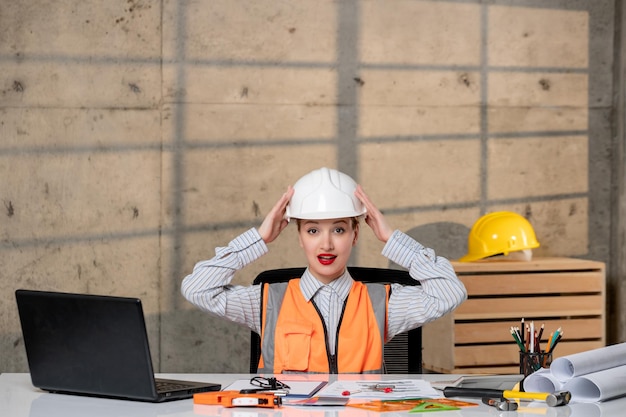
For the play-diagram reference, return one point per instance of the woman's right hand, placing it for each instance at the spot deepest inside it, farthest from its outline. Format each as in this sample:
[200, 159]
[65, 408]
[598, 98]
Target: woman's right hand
[275, 221]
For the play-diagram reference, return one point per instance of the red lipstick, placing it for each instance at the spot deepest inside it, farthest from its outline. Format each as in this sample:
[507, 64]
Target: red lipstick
[326, 258]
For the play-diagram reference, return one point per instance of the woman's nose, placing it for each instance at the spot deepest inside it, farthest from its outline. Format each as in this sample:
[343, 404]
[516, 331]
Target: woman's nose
[327, 241]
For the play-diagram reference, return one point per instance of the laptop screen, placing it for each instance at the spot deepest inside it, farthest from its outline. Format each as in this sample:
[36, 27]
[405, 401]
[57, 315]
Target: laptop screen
[87, 344]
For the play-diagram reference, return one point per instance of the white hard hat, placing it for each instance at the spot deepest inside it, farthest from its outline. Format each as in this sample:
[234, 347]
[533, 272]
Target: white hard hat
[324, 194]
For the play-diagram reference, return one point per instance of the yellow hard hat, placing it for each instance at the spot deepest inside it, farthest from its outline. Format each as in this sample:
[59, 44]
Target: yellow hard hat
[498, 233]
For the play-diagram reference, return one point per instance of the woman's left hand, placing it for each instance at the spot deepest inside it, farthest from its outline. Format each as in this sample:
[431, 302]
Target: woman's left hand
[374, 218]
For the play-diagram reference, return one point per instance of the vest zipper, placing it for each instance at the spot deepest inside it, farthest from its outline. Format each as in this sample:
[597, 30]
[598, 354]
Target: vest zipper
[343, 310]
[332, 359]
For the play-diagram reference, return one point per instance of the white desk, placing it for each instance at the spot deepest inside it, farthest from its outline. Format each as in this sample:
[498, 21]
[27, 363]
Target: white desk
[18, 398]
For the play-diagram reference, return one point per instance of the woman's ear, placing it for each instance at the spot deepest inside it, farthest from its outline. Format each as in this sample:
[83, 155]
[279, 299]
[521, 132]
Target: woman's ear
[356, 234]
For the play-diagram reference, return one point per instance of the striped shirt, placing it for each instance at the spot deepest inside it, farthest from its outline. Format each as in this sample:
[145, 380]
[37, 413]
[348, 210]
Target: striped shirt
[208, 286]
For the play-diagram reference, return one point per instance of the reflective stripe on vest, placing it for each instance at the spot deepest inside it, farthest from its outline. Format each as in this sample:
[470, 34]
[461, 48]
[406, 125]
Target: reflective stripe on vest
[292, 331]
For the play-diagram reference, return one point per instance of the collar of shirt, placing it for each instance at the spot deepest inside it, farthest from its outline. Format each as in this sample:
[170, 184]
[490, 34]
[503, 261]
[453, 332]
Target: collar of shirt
[309, 285]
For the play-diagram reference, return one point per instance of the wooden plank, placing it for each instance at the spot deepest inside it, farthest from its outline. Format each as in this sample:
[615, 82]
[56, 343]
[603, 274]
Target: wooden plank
[498, 355]
[495, 370]
[515, 308]
[486, 370]
[560, 292]
[531, 283]
[537, 264]
[438, 342]
[494, 332]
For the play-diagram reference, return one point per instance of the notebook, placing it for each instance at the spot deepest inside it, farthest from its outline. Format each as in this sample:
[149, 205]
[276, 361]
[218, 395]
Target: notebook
[93, 345]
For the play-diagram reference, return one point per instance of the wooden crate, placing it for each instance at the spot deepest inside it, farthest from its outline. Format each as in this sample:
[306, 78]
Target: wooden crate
[559, 292]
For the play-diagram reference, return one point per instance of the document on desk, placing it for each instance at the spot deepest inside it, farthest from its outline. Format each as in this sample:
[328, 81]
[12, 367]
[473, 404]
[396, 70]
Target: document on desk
[297, 388]
[380, 390]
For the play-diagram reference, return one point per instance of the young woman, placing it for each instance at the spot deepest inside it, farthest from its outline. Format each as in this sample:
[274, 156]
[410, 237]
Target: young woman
[324, 321]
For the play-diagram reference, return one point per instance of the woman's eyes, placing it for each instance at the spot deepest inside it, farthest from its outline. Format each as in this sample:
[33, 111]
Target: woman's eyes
[337, 230]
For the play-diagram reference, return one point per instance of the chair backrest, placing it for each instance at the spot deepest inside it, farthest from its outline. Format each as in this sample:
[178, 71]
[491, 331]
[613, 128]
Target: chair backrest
[403, 354]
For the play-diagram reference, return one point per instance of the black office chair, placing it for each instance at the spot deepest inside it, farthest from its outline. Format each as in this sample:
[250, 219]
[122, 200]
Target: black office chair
[402, 355]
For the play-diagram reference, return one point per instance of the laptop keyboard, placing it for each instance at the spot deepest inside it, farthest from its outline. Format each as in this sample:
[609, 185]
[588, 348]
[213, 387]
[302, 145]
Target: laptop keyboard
[164, 386]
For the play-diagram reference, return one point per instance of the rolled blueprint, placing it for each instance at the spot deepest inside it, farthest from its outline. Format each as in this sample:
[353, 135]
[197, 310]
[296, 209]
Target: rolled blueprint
[598, 386]
[570, 366]
[542, 381]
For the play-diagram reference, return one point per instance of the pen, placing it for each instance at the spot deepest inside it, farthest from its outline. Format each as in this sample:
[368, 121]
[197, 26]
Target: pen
[252, 390]
[277, 392]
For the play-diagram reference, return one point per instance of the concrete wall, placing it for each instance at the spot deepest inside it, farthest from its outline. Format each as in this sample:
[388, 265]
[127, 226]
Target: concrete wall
[138, 135]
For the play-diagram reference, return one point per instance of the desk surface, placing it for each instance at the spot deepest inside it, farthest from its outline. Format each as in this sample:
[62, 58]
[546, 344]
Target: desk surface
[18, 398]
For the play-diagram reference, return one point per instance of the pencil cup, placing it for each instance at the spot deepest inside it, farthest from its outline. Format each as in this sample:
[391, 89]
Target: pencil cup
[530, 362]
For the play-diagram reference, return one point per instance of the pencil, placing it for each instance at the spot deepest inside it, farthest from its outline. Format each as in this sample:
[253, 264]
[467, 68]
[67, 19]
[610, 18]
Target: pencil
[527, 342]
[558, 339]
[519, 335]
[549, 342]
[519, 343]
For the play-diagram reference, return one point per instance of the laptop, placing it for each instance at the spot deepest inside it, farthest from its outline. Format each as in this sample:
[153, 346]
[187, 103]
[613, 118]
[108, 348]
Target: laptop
[93, 345]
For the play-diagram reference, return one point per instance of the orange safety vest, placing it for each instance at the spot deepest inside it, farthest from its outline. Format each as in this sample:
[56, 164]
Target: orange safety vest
[293, 333]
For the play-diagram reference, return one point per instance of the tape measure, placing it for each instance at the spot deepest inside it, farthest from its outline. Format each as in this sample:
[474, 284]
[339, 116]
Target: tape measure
[237, 399]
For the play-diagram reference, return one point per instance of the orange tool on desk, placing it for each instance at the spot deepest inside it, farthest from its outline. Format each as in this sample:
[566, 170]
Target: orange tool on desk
[237, 399]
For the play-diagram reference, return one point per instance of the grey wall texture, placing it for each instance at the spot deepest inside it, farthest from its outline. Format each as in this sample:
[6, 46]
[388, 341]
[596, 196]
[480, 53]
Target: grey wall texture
[138, 135]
